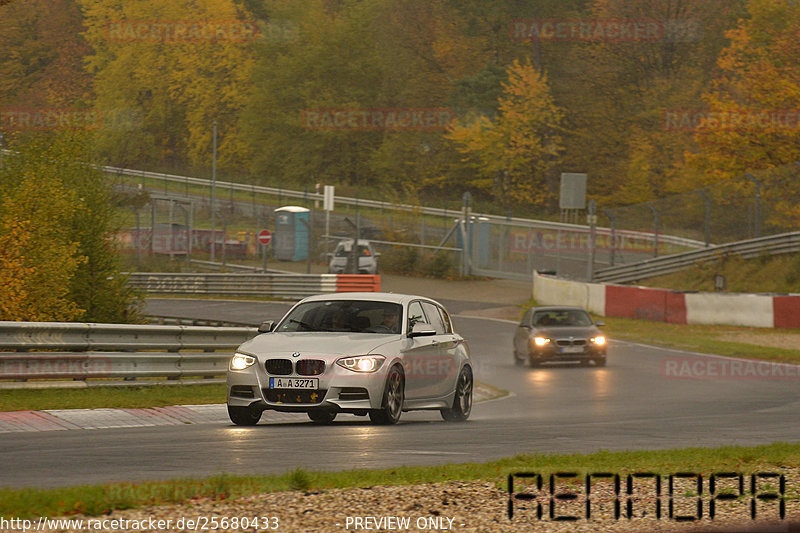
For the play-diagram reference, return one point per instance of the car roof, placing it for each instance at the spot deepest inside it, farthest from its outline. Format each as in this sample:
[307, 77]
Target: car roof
[558, 308]
[370, 296]
[363, 242]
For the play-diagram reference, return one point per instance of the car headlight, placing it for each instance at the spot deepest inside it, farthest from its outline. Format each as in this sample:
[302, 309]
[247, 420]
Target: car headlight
[362, 363]
[540, 341]
[599, 340]
[241, 361]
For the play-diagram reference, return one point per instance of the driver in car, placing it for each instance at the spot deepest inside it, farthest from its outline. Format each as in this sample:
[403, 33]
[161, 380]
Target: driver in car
[390, 321]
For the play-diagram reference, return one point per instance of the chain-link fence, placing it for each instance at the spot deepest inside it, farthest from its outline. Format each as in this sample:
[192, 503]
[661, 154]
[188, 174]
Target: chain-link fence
[752, 205]
[430, 241]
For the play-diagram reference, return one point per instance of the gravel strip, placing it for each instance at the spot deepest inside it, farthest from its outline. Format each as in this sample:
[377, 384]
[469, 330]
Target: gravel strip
[477, 507]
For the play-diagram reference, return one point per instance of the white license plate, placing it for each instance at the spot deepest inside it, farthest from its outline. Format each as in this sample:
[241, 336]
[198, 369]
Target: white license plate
[294, 383]
[572, 349]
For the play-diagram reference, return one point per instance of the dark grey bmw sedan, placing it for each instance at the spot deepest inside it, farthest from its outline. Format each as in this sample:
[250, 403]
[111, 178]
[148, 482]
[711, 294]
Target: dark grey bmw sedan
[559, 334]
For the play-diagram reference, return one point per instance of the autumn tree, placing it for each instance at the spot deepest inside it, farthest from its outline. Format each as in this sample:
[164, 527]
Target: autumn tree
[753, 102]
[41, 64]
[163, 72]
[514, 153]
[38, 257]
[619, 90]
[57, 230]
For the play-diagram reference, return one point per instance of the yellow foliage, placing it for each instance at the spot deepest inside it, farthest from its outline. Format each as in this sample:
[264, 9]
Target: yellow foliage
[519, 147]
[37, 260]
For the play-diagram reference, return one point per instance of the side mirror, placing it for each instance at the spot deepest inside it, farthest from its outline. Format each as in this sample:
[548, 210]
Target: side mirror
[422, 329]
[599, 323]
[329, 255]
[266, 326]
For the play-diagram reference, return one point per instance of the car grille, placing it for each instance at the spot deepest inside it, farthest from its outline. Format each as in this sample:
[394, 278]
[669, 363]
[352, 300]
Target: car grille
[291, 396]
[278, 367]
[310, 367]
[571, 342]
[353, 393]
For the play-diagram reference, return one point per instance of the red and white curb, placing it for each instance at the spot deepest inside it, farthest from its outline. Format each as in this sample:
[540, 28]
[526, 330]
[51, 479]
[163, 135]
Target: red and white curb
[66, 419]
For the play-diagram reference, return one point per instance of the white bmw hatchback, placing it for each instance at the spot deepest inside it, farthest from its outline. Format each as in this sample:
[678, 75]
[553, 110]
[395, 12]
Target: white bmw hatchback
[370, 354]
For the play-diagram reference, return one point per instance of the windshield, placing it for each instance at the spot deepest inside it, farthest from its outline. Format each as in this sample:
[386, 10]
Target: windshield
[571, 318]
[344, 250]
[343, 316]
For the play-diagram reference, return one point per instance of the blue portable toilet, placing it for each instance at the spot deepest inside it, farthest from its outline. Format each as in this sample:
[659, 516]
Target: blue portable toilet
[291, 233]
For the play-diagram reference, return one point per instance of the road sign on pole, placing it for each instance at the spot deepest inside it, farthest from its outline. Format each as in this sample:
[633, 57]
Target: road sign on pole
[264, 237]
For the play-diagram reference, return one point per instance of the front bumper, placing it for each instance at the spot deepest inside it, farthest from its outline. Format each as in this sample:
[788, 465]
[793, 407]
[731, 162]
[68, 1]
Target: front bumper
[339, 389]
[552, 352]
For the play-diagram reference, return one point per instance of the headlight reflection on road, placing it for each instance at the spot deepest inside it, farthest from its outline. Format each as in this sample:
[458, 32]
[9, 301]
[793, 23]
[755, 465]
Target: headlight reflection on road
[601, 390]
[237, 444]
[541, 381]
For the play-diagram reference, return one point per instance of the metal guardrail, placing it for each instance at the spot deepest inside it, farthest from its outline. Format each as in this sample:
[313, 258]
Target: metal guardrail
[65, 350]
[290, 286]
[657, 266]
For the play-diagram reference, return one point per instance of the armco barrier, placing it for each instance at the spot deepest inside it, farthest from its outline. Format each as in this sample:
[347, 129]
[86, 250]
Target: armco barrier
[55, 350]
[754, 310]
[289, 286]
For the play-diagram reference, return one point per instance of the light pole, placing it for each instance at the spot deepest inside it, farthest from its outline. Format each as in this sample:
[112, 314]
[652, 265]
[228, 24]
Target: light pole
[213, 194]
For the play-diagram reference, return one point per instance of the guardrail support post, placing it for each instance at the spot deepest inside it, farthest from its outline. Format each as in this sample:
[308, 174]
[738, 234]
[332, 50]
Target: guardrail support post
[613, 242]
[707, 224]
[656, 216]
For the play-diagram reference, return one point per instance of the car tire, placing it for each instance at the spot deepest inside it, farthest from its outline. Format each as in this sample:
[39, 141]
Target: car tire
[600, 361]
[244, 416]
[533, 362]
[322, 416]
[393, 399]
[462, 400]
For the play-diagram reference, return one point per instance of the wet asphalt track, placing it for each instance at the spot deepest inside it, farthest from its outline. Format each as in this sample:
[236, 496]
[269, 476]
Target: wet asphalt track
[630, 404]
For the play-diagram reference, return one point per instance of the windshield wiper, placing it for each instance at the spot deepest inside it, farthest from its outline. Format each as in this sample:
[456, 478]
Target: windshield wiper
[308, 326]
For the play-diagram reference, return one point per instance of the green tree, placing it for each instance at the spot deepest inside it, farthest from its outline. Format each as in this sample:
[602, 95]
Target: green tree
[69, 227]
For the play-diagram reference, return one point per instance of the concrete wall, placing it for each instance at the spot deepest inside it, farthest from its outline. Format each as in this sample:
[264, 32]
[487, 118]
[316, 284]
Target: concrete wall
[662, 305]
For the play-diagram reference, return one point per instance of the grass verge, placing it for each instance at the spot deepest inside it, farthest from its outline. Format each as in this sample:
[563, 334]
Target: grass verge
[111, 397]
[98, 499]
[721, 340]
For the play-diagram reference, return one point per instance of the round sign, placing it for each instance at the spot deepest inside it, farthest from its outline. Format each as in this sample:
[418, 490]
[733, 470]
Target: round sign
[264, 236]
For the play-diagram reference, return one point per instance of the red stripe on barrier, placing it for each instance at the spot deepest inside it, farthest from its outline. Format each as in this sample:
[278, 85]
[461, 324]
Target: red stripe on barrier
[358, 283]
[675, 307]
[786, 311]
[647, 304]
